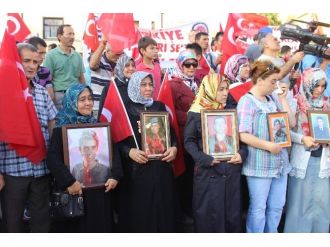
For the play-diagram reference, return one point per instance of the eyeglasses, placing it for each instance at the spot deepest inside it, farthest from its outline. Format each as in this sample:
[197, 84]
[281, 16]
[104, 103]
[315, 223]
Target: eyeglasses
[188, 65]
[269, 68]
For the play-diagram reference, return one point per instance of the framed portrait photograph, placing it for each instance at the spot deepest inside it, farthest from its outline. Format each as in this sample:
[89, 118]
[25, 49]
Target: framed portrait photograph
[155, 133]
[87, 152]
[220, 133]
[319, 125]
[279, 129]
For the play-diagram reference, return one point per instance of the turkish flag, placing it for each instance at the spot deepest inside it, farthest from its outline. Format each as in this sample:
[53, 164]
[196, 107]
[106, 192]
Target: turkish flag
[119, 30]
[165, 96]
[240, 90]
[17, 27]
[90, 35]
[19, 125]
[114, 112]
[239, 25]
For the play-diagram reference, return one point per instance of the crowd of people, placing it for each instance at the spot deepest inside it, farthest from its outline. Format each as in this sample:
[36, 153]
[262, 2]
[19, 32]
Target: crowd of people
[260, 184]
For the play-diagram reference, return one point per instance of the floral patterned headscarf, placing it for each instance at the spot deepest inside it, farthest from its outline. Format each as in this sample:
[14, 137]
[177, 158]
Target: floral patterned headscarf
[310, 78]
[207, 93]
[134, 91]
[69, 113]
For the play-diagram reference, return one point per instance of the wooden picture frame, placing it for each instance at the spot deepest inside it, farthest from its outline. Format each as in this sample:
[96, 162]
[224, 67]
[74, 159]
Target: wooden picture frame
[155, 133]
[318, 122]
[88, 144]
[279, 128]
[221, 121]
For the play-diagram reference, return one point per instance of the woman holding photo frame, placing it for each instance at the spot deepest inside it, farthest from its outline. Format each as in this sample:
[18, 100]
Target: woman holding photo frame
[267, 165]
[147, 191]
[77, 109]
[308, 197]
[214, 180]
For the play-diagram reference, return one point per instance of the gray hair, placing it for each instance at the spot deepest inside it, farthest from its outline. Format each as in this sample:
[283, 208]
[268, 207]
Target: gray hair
[27, 46]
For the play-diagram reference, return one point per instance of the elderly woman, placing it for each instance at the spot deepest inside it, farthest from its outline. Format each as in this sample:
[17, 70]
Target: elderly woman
[308, 197]
[147, 191]
[124, 69]
[214, 180]
[77, 109]
[267, 165]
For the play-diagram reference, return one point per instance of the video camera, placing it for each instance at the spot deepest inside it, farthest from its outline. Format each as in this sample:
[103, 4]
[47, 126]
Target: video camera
[310, 43]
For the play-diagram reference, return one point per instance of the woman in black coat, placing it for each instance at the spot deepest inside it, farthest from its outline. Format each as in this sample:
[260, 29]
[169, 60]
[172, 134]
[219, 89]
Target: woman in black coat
[77, 109]
[216, 190]
[147, 189]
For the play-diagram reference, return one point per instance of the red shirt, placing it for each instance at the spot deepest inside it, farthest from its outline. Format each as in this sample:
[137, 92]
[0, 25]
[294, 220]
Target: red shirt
[156, 73]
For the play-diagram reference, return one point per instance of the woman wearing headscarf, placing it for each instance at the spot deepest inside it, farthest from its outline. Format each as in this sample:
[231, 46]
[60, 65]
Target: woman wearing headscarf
[237, 70]
[184, 85]
[308, 196]
[147, 190]
[77, 109]
[216, 190]
[124, 69]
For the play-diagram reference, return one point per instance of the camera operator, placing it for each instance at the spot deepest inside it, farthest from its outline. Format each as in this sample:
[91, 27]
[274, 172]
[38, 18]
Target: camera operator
[270, 48]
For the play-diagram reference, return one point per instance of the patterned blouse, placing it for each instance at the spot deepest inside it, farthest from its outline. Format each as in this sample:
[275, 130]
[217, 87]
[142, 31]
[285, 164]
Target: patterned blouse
[252, 119]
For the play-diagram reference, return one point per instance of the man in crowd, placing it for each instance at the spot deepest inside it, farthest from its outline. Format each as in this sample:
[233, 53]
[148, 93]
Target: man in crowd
[102, 63]
[21, 180]
[64, 63]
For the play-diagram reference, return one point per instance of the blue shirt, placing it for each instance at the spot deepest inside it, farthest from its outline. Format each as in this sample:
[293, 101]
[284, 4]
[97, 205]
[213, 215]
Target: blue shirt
[14, 165]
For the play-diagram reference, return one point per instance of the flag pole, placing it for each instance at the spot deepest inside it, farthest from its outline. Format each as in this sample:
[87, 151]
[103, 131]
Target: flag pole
[113, 81]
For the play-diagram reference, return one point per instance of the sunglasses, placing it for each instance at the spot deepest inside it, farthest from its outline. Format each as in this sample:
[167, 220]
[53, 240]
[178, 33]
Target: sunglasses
[269, 68]
[188, 65]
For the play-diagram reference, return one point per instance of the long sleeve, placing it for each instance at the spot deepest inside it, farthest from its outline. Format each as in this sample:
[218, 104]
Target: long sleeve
[191, 142]
[116, 169]
[55, 161]
[243, 151]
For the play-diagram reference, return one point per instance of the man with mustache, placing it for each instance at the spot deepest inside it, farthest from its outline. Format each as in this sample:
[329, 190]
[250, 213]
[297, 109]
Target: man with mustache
[64, 63]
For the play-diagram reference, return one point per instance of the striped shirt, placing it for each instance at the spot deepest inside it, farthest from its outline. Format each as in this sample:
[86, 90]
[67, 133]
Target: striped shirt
[14, 165]
[99, 78]
[252, 119]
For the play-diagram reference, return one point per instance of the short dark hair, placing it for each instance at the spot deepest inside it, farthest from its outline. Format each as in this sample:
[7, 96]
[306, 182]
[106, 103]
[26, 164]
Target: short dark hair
[144, 42]
[199, 35]
[285, 49]
[52, 46]
[60, 29]
[196, 47]
[218, 35]
[35, 41]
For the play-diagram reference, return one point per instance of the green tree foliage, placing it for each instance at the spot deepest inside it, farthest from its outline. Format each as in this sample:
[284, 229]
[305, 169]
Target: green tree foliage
[273, 18]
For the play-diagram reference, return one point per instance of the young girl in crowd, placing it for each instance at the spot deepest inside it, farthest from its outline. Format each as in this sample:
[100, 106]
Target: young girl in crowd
[216, 190]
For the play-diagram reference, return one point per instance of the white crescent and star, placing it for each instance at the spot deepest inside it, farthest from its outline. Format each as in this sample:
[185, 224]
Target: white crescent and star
[239, 23]
[16, 23]
[231, 36]
[89, 23]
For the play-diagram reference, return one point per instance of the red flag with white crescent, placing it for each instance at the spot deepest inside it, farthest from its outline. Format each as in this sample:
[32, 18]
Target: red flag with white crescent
[90, 35]
[239, 25]
[19, 125]
[114, 112]
[119, 30]
[17, 27]
[165, 96]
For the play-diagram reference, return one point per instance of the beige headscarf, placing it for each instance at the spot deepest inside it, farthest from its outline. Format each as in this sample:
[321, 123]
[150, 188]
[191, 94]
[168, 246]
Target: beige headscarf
[207, 93]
